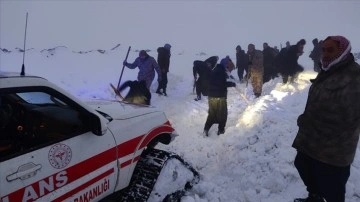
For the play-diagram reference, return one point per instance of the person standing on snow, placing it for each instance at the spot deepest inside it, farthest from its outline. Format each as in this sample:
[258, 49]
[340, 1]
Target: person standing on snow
[315, 54]
[242, 61]
[329, 127]
[269, 55]
[218, 111]
[164, 63]
[287, 62]
[147, 67]
[256, 69]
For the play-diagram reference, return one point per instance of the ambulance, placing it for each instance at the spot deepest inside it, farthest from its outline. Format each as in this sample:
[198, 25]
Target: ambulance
[55, 147]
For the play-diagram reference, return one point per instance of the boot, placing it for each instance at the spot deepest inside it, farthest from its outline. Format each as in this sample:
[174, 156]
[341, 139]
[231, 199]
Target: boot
[158, 91]
[164, 92]
[198, 98]
[311, 198]
[206, 133]
[220, 132]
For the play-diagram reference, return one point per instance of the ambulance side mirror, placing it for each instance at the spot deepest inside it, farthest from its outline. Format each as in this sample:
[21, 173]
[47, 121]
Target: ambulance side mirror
[95, 124]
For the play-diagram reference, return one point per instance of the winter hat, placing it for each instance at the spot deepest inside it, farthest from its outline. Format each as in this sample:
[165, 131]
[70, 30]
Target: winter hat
[301, 42]
[344, 51]
[238, 47]
[142, 53]
[315, 41]
[251, 46]
[212, 60]
[167, 46]
[225, 61]
[300, 46]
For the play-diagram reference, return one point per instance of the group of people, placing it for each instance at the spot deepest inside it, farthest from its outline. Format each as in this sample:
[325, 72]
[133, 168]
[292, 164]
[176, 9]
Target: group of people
[329, 127]
[256, 66]
[139, 92]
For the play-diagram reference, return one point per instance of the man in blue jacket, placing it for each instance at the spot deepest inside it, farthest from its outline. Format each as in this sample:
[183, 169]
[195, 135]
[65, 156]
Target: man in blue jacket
[147, 66]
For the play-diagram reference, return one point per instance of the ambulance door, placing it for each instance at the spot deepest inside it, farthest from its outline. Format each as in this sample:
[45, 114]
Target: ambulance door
[48, 152]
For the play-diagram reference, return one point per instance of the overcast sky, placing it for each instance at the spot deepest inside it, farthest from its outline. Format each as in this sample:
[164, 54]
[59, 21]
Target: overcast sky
[200, 25]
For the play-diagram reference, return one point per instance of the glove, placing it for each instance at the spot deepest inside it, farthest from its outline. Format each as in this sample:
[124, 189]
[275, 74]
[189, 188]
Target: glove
[125, 63]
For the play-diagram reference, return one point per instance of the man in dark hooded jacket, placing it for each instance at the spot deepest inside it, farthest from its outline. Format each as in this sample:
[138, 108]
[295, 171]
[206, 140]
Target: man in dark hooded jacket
[218, 111]
[138, 93]
[269, 55]
[329, 127]
[315, 54]
[164, 63]
[287, 61]
[242, 61]
[201, 73]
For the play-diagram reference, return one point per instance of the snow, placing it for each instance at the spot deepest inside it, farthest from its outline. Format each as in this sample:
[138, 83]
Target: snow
[175, 174]
[253, 160]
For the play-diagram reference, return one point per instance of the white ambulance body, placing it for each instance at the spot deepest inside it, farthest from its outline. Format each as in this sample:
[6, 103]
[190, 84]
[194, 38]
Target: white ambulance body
[54, 147]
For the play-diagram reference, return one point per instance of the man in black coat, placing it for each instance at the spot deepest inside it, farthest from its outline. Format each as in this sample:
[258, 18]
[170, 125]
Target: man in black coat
[315, 54]
[242, 61]
[269, 55]
[138, 93]
[164, 63]
[287, 61]
[201, 72]
[218, 111]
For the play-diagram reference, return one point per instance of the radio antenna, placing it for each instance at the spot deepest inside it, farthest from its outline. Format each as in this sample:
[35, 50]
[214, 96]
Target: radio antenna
[23, 65]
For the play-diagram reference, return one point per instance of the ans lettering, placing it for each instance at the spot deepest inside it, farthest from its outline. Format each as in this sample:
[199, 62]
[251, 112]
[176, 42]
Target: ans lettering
[45, 186]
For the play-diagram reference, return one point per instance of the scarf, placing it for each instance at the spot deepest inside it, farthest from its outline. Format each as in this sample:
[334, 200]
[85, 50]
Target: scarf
[345, 48]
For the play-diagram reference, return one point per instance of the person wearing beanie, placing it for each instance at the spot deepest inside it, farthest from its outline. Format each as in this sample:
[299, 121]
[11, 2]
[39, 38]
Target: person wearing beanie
[242, 61]
[163, 60]
[147, 66]
[329, 127]
[218, 84]
[167, 46]
[256, 69]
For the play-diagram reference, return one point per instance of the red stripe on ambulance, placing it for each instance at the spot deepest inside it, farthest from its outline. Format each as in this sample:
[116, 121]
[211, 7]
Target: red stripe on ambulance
[154, 133]
[91, 194]
[75, 172]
